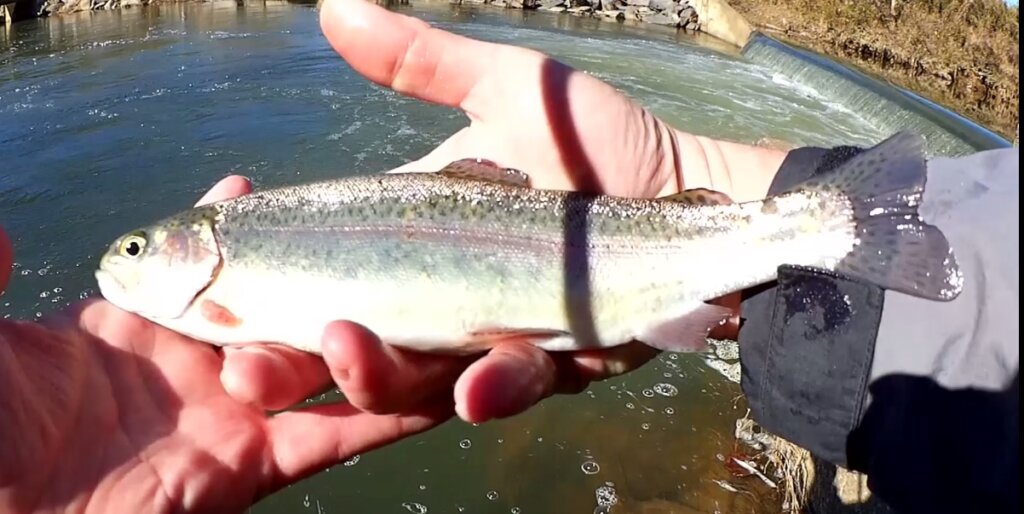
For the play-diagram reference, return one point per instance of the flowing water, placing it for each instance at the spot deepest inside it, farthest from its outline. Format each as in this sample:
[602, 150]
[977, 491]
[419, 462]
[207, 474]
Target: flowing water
[109, 119]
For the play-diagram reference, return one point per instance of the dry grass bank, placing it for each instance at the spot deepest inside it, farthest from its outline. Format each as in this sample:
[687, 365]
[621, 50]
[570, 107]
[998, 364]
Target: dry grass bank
[963, 54]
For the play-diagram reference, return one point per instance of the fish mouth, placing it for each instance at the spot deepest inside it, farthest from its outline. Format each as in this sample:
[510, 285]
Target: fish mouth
[110, 287]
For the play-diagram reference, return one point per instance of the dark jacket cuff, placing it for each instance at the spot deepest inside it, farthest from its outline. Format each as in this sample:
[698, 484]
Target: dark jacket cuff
[807, 340]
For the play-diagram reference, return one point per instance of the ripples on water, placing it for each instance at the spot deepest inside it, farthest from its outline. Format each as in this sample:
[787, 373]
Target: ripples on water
[112, 118]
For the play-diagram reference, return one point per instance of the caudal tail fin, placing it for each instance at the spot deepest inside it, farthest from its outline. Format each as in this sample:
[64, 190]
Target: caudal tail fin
[895, 248]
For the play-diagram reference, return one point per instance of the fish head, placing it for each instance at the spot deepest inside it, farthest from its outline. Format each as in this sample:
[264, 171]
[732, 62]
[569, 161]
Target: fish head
[157, 271]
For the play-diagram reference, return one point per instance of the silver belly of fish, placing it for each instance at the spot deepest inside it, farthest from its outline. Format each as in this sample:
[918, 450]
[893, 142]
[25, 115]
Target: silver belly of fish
[461, 260]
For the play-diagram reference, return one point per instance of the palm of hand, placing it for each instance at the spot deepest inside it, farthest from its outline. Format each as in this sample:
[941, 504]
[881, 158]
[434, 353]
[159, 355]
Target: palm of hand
[564, 128]
[569, 150]
[113, 413]
[126, 416]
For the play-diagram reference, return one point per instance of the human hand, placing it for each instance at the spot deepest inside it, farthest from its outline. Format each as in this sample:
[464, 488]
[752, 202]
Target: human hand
[565, 129]
[103, 411]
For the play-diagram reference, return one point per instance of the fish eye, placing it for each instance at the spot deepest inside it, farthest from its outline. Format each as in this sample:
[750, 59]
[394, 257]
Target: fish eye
[132, 245]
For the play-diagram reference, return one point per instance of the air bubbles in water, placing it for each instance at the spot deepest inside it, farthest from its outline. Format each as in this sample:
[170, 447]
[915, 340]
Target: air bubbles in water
[351, 461]
[423, 487]
[645, 426]
[465, 443]
[515, 510]
[648, 393]
[492, 495]
[666, 389]
[727, 351]
[629, 405]
[669, 410]
[590, 467]
[606, 496]
[415, 508]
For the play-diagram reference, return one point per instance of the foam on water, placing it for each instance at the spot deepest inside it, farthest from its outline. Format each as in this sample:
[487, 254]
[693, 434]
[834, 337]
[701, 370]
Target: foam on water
[874, 102]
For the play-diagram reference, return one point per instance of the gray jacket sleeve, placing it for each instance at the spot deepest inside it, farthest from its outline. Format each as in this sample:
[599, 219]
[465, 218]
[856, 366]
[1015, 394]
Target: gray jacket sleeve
[922, 396]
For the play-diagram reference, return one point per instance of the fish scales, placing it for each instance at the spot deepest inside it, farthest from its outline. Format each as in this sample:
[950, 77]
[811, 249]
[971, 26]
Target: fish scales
[451, 262]
[438, 249]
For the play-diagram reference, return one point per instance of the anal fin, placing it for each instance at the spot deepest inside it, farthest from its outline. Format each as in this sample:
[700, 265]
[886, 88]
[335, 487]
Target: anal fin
[489, 338]
[688, 332]
[484, 170]
[699, 196]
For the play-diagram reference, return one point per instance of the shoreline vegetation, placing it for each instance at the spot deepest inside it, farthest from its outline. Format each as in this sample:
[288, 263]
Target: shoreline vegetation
[962, 54]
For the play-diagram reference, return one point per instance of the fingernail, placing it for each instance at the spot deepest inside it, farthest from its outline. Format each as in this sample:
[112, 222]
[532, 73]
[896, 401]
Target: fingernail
[460, 410]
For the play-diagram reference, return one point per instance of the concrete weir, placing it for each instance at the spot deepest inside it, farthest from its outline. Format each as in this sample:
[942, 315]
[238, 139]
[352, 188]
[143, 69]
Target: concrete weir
[882, 104]
[887, 106]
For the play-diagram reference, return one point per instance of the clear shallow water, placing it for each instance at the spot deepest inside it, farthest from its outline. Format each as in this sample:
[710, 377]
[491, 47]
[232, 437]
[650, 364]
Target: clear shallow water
[109, 119]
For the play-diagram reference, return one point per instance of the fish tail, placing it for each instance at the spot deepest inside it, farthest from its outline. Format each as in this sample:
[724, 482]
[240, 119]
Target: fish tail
[894, 248]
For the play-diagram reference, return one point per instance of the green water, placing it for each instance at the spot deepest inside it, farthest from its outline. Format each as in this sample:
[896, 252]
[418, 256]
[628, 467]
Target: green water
[108, 119]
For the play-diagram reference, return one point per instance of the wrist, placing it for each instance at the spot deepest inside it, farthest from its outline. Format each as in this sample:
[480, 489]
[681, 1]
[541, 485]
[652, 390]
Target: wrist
[744, 172]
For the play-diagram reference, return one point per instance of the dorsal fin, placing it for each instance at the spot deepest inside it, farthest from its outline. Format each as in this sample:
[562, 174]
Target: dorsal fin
[487, 171]
[699, 196]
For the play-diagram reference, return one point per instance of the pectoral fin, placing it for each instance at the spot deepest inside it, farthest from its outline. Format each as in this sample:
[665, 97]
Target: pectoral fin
[487, 171]
[491, 337]
[689, 331]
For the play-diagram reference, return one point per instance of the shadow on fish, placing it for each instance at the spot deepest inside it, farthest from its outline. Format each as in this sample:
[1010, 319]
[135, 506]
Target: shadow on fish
[459, 260]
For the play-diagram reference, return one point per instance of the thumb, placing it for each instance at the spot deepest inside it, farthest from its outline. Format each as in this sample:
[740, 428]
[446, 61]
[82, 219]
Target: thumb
[409, 56]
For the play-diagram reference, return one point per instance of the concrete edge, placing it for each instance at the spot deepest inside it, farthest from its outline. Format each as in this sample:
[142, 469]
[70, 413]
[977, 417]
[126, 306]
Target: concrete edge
[719, 19]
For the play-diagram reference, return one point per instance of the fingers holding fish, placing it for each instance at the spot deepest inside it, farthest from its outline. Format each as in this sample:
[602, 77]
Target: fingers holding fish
[383, 379]
[508, 380]
[228, 187]
[272, 377]
[577, 370]
[513, 377]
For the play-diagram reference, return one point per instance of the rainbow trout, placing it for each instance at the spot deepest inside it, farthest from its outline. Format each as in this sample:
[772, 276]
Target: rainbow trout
[458, 260]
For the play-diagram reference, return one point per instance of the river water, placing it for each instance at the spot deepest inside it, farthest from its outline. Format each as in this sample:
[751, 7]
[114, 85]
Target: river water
[109, 119]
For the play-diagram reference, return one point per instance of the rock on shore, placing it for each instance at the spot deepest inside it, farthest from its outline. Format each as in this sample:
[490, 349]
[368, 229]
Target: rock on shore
[672, 13]
[51, 7]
